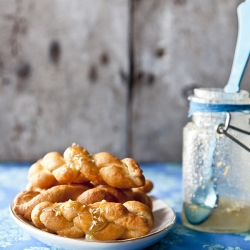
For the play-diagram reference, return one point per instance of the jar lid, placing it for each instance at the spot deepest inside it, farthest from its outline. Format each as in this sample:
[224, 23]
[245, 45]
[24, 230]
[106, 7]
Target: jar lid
[216, 100]
[218, 96]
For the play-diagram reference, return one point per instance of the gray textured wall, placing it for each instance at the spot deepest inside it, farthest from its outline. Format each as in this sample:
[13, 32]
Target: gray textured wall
[110, 75]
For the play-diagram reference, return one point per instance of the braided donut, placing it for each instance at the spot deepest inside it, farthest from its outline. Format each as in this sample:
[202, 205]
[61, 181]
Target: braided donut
[142, 197]
[100, 221]
[78, 166]
[103, 192]
[75, 166]
[117, 173]
[27, 200]
[148, 186]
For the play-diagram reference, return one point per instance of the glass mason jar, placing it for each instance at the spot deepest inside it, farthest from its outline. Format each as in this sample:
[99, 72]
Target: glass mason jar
[216, 169]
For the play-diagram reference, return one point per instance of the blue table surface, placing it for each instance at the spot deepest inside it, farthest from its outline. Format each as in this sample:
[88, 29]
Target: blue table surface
[167, 180]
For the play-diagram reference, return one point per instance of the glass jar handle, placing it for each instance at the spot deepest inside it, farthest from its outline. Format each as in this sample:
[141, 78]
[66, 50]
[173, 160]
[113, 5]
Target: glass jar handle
[222, 129]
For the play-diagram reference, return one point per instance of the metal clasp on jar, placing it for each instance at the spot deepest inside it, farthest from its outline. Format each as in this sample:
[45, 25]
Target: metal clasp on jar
[222, 129]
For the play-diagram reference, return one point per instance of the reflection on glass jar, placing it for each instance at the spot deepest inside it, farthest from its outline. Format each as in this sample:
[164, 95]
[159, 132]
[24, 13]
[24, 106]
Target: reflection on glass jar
[216, 170]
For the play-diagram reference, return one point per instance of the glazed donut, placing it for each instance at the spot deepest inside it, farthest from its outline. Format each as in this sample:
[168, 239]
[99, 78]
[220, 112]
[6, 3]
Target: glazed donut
[146, 188]
[100, 221]
[143, 198]
[78, 166]
[117, 173]
[100, 193]
[27, 200]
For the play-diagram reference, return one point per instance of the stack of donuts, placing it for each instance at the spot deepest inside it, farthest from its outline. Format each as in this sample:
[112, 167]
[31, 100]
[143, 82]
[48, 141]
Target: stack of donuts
[78, 195]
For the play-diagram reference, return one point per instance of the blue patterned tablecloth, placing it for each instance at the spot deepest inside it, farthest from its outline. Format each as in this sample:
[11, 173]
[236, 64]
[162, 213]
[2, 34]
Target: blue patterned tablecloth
[167, 186]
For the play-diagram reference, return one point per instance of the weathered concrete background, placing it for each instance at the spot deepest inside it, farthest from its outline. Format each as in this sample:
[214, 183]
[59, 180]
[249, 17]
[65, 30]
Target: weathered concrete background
[110, 75]
[63, 65]
[179, 45]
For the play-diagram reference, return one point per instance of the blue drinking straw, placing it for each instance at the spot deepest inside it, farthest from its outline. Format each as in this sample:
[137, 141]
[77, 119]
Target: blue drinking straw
[242, 50]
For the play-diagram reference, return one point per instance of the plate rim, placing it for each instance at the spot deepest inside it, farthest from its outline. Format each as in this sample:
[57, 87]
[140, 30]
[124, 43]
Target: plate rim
[168, 226]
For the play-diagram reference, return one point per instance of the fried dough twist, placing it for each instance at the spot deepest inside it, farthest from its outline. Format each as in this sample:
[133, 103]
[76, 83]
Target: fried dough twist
[103, 192]
[27, 200]
[148, 186]
[78, 166]
[100, 221]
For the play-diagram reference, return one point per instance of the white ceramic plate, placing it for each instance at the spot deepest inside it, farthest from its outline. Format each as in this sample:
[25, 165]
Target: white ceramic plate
[164, 219]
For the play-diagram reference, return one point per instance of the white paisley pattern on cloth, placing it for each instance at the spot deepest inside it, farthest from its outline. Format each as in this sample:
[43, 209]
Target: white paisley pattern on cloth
[246, 236]
[220, 247]
[180, 230]
[9, 231]
[41, 248]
